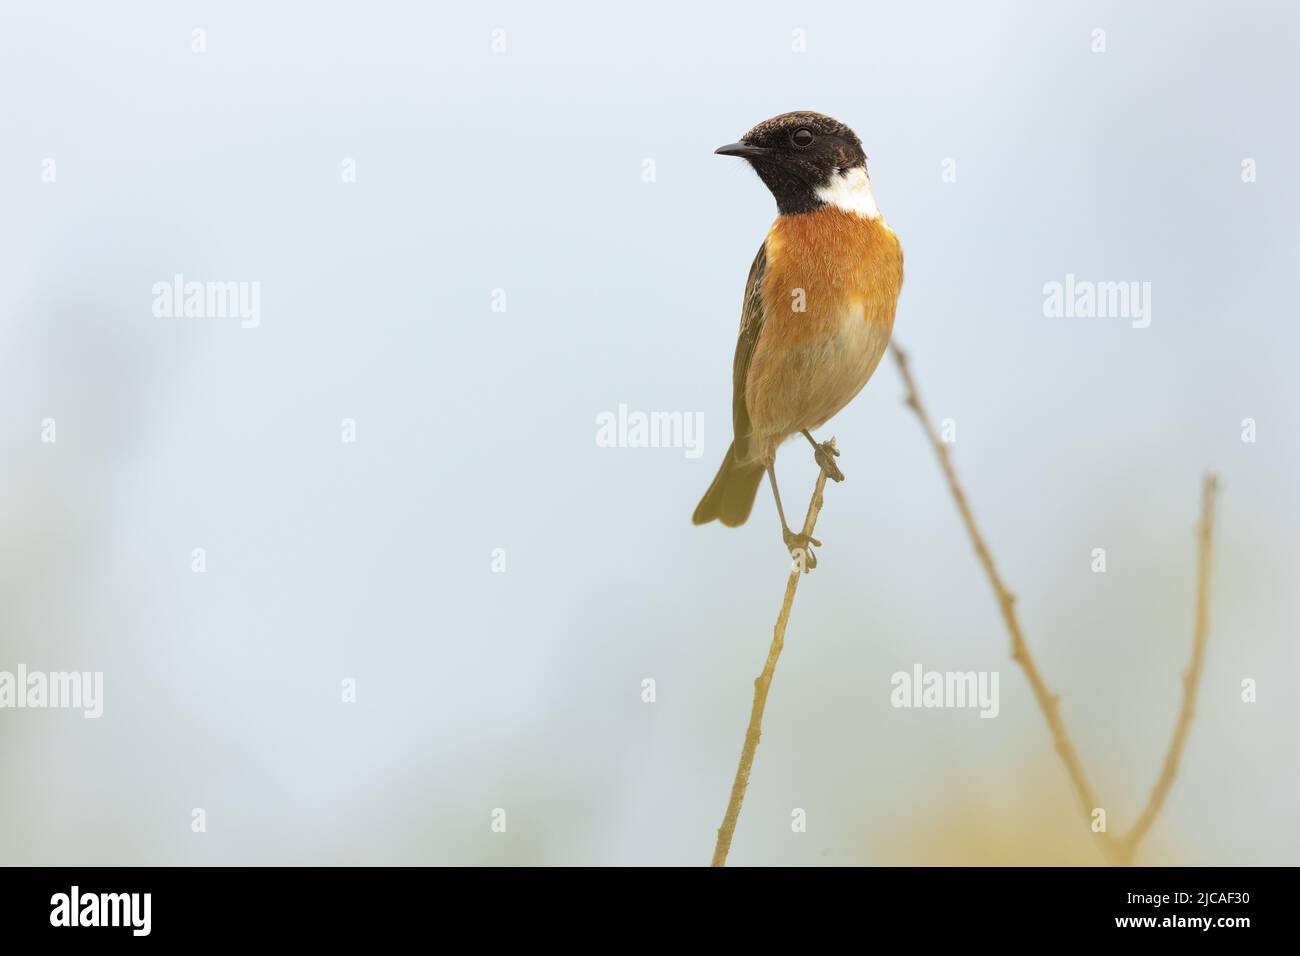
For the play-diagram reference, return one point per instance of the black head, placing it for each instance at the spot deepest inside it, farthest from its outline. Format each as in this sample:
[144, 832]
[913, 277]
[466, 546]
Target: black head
[796, 154]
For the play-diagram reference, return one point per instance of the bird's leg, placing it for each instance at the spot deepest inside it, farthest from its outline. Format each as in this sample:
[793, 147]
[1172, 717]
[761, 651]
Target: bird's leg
[793, 542]
[825, 453]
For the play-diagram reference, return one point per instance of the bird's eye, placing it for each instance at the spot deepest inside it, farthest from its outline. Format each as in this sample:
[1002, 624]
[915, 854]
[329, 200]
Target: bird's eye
[802, 138]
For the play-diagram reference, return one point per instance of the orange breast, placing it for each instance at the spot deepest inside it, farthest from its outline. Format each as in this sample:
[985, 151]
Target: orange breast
[821, 263]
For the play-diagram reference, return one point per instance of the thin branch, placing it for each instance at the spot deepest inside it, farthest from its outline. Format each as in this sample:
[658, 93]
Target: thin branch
[1116, 850]
[1048, 702]
[1191, 677]
[761, 685]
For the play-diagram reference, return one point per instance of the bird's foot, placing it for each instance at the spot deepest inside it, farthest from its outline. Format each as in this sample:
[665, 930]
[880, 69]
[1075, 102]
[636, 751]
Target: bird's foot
[825, 454]
[800, 548]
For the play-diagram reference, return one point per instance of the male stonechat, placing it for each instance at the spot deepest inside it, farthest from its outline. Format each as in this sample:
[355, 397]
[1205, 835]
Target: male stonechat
[818, 308]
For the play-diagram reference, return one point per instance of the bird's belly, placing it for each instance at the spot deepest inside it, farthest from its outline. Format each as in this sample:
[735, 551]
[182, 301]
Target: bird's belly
[804, 383]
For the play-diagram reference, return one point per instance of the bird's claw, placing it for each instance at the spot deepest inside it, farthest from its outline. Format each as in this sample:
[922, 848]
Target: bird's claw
[825, 456]
[800, 548]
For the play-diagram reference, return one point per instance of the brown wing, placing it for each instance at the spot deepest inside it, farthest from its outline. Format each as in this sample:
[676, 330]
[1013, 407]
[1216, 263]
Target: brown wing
[752, 315]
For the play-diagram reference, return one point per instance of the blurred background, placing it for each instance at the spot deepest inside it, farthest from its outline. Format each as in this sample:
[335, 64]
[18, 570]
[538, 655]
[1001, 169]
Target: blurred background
[500, 155]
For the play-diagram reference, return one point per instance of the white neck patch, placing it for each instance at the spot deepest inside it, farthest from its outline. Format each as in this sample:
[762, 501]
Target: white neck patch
[850, 190]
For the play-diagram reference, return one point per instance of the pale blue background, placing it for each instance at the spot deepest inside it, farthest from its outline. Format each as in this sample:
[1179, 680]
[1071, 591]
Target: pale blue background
[522, 171]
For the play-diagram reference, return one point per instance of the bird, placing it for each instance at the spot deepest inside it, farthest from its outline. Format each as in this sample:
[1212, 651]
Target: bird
[818, 310]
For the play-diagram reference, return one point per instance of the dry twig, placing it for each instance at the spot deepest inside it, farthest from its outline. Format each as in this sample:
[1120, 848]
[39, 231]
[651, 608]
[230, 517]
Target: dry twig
[761, 685]
[1191, 677]
[1118, 850]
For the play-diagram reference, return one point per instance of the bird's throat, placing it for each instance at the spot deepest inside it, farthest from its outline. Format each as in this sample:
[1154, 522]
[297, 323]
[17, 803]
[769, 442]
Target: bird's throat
[850, 190]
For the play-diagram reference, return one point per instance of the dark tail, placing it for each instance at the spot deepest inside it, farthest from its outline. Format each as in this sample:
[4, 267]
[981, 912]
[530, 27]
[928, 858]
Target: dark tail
[731, 496]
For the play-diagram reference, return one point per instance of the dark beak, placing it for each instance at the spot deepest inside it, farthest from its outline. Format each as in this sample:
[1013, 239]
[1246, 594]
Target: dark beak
[744, 150]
